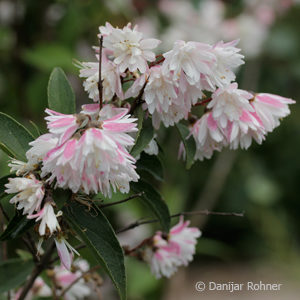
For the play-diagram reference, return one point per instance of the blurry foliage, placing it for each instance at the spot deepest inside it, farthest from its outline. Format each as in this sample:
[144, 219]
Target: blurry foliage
[264, 181]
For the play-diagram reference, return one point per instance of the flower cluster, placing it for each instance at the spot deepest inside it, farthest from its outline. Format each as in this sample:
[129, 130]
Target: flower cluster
[167, 252]
[235, 117]
[89, 152]
[79, 288]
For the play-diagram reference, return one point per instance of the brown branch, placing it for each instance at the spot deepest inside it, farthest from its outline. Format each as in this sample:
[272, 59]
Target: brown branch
[76, 280]
[192, 213]
[100, 85]
[39, 268]
[203, 102]
[138, 99]
[122, 201]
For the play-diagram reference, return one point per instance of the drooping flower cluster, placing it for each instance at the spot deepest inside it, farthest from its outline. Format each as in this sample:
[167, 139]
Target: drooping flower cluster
[79, 288]
[235, 117]
[167, 253]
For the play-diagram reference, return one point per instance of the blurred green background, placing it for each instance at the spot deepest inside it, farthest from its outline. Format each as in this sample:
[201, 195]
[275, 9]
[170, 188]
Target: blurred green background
[36, 36]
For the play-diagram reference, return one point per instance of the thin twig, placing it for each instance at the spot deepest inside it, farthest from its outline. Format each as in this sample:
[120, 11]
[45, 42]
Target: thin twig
[138, 99]
[76, 280]
[122, 201]
[203, 102]
[100, 85]
[39, 268]
[199, 212]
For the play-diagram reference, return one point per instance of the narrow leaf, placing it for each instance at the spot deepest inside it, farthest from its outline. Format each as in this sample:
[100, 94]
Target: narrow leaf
[13, 273]
[14, 136]
[151, 164]
[154, 202]
[16, 227]
[37, 132]
[144, 137]
[189, 144]
[61, 97]
[3, 181]
[96, 231]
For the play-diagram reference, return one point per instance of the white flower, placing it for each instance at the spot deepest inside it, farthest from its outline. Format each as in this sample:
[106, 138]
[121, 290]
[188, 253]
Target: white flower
[208, 136]
[63, 126]
[228, 58]
[110, 75]
[271, 108]
[30, 193]
[176, 249]
[160, 91]
[228, 103]
[48, 219]
[34, 155]
[185, 238]
[63, 248]
[129, 48]
[152, 148]
[64, 278]
[97, 158]
[189, 59]
[241, 132]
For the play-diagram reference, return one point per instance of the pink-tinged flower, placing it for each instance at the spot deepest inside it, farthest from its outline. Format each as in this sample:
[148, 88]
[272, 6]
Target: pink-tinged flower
[241, 132]
[189, 59]
[110, 75]
[130, 49]
[176, 249]
[185, 238]
[34, 155]
[63, 126]
[48, 218]
[39, 289]
[228, 58]
[30, 193]
[63, 248]
[228, 104]
[271, 108]
[162, 97]
[64, 278]
[208, 136]
[97, 158]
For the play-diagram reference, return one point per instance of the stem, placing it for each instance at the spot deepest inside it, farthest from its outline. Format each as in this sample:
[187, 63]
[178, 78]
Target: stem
[122, 201]
[199, 212]
[203, 102]
[100, 85]
[138, 99]
[158, 61]
[39, 268]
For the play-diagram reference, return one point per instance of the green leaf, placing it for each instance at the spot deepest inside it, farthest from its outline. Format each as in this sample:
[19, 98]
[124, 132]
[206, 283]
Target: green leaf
[61, 97]
[152, 165]
[189, 144]
[36, 131]
[96, 231]
[14, 136]
[153, 200]
[16, 227]
[13, 273]
[144, 136]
